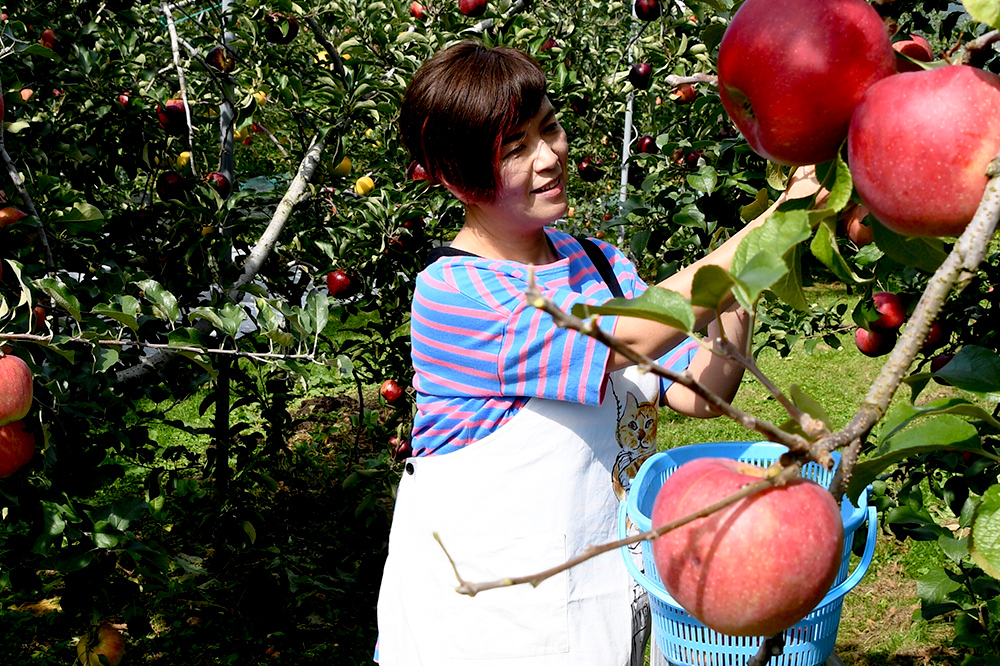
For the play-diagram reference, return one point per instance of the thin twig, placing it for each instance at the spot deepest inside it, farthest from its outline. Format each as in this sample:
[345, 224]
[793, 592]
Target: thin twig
[783, 476]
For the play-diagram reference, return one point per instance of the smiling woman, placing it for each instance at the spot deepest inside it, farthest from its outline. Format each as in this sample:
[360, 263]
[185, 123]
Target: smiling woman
[526, 436]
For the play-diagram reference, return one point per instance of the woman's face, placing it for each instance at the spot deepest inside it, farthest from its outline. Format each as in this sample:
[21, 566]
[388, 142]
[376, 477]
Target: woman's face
[533, 158]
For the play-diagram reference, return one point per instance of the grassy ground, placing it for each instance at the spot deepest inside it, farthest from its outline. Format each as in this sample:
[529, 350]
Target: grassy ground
[879, 625]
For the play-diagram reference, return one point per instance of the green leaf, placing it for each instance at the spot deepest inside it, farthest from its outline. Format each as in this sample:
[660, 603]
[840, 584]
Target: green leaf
[789, 288]
[843, 186]
[753, 210]
[925, 254]
[779, 233]
[824, 247]
[942, 433]
[711, 284]
[164, 303]
[935, 586]
[984, 540]
[904, 414]
[762, 271]
[974, 368]
[208, 314]
[104, 358]
[128, 320]
[655, 304]
[318, 307]
[984, 11]
[59, 292]
[705, 180]
[809, 405]
[689, 216]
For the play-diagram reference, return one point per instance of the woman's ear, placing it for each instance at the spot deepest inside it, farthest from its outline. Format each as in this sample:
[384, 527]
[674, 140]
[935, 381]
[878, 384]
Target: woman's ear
[456, 192]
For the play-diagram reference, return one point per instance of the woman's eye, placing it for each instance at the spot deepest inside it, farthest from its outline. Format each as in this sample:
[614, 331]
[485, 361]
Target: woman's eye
[514, 151]
[554, 127]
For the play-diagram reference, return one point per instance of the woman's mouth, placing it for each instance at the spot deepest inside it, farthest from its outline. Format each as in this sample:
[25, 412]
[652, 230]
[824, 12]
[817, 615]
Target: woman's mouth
[551, 186]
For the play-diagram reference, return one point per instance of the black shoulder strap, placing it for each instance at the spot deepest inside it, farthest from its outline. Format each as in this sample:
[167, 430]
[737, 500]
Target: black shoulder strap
[602, 265]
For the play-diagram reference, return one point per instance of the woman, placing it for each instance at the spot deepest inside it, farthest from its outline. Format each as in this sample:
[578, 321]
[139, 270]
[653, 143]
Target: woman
[526, 435]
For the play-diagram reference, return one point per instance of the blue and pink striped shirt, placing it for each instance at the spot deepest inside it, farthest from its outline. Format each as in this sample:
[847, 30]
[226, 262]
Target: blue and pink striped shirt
[480, 351]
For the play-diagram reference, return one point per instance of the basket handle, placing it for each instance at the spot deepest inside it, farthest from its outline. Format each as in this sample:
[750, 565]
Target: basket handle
[837, 591]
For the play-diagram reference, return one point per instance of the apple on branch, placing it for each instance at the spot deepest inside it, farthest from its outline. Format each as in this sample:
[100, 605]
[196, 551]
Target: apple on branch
[915, 47]
[890, 307]
[874, 343]
[647, 10]
[9, 215]
[919, 146]
[791, 72]
[15, 388]
[793, 535]
[589, 169]
[340, 284]
[106, 642]
[17, 446]
[280, 29]
[172, 117]
[391, 391]
[473, 8]
[640, 74]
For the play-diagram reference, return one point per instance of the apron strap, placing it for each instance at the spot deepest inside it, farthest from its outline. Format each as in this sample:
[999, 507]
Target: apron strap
[602, 265]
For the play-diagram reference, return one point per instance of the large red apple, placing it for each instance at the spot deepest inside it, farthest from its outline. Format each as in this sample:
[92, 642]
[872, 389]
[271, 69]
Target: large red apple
[15, 388]
[919, 145]
[890, 307]
[792, 71]
[339, 284]
[756, 567]
[590, 169]
[648, 10]
[280, 29]
[639, 75]
[16, 448]
[106, 642]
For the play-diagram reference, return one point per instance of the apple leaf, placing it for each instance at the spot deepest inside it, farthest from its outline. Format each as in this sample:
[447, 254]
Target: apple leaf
[164, 303]
[125, 319]
[17, 126]
[974, 368]
[934, 587]
[59, 292]
[843, 186]
[655, 304]
[758, 207]
[925, 254]
[941, 433]
[104, 358]
[904, 414]
[809, 405]
[789, 287]
[779, 233]
[689, 216]
[824, 247]
[984, 11]
[984, 540]
[705, 180]
[711, 284]
[762, 271]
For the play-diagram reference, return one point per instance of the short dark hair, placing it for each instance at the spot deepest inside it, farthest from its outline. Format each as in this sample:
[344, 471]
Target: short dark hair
[460, 105]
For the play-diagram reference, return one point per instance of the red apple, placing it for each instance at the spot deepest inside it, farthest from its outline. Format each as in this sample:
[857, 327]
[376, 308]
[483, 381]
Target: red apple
[280, 29]
[685, 93]
[549, 44]
[861, 234]
[792, 534]
[472, 8]
[417, 10]
[170, 185]
[15, 388]
[106, 642]
[939, 362]
[16, 448]
[791, 72]
[391, 391]
[401, 449]
[874, 343]
[123, 100]
[40, 315]
[935, 338]
[221, 59]
[49, 39]
[646, 144]
[919, 146]
[9, 215]
[915, 47]
[219, 182]
[26, 94]
[893, 312]
[172, 117]
[590, 169]
[416, 171]
[640, 74]
[647, 10]
[339, 284]
[580, 104]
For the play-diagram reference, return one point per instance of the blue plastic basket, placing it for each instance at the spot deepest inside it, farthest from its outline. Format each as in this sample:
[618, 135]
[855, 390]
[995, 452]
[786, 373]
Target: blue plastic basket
[683, 640]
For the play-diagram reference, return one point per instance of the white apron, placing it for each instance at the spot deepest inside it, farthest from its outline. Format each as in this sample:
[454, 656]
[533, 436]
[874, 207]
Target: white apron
[534, 493]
